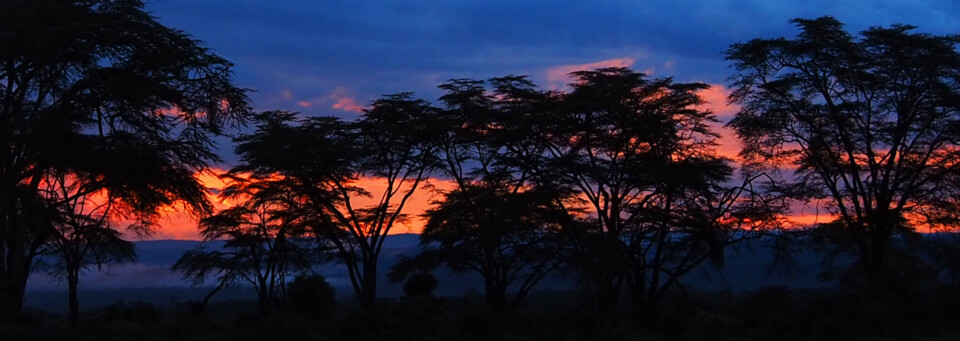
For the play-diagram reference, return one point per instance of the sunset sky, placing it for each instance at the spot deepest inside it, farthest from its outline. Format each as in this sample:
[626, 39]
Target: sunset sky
[334, 57]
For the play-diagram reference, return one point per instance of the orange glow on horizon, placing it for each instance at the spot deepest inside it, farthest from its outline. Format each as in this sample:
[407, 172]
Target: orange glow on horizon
[177, 223]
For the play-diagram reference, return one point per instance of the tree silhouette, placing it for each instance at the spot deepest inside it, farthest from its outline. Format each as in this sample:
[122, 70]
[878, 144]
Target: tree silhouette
[867, 123]
[420, 285]
[639, 152]
[101, 92]
[311, 294]
[84, 235]
[495, 222]
[322, 160]
[265, 239]
[508, 238]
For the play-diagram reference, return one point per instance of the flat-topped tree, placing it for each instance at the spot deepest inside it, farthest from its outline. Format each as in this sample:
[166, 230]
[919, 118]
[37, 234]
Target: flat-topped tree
[322, 161]
[658, 199]
[495, 221]
[101, 91]
[265, 240]
[85, 235]
[868, 123]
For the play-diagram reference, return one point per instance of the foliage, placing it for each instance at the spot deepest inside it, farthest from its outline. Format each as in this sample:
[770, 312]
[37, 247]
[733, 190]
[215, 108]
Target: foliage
[321, 163]
[101, 92]
[495, 222]
[264, 241]
[657, 198]
[311, 295]
[84, 235]
[868, 123]
[421, 284]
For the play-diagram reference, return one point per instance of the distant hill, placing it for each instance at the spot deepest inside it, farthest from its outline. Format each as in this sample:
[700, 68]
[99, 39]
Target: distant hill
[150, 277]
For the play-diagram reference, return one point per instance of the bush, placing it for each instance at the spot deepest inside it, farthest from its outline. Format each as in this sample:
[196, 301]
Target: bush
[420, 285]
[311, 295]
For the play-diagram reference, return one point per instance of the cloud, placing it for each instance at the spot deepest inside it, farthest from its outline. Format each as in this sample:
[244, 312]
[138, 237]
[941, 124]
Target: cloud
[343, 100]
[300, 47]
[715, 99]
[373, 48]
[562, 72]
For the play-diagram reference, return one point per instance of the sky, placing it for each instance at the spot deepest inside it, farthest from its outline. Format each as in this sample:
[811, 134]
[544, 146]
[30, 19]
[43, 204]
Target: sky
[335, 57]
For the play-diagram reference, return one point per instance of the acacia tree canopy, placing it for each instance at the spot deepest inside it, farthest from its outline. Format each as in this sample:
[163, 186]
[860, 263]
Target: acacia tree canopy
[319, 161]
[102, 92]
[870, 123]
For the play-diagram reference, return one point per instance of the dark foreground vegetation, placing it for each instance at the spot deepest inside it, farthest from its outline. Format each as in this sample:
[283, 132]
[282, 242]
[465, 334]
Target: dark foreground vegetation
[771, 313]
[108, 117]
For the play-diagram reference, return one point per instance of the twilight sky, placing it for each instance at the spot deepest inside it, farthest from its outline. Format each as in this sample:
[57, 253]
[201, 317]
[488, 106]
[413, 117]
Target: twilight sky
[332, 57]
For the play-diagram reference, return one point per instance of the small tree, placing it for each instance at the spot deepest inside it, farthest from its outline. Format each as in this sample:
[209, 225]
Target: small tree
[311, 294]
[656, 202]
[496, 222]
[868, 123]
[264, 241]
[509, 239]
[84, 236]
[420, 285]
[320, 166]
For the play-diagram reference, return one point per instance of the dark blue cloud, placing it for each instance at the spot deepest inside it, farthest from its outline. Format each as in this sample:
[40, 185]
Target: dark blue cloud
[303, 51]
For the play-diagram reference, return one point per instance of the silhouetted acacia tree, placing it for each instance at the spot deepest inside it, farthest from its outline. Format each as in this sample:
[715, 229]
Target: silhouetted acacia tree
[508, 238]
[322, 163]
[639, 152]
[84, 235]
[494, 222]
[101, 92]
[871, 124]
[265, 238]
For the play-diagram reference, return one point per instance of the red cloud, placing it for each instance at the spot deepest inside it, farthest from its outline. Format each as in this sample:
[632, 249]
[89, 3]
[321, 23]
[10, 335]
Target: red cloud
[716, 101]
[344, 101]
[559, 73]
[716, 98]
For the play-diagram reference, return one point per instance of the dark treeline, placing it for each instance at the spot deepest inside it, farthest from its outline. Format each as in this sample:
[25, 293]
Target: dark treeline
[615, 180]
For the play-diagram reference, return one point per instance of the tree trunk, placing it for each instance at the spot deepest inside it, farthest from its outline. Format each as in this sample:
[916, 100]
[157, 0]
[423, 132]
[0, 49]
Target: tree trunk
[608, 294]
[12, 285]
[877, 271]
[263, 299]
[263, 307]
[73, 279]
[369, 283]
[10, 299]
[496, 296]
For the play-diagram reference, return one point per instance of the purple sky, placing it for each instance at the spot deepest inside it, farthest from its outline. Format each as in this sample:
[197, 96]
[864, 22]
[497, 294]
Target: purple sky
[320, 53]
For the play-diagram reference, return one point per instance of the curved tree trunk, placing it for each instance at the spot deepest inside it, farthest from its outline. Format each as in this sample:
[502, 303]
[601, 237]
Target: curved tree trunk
[206, 299]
